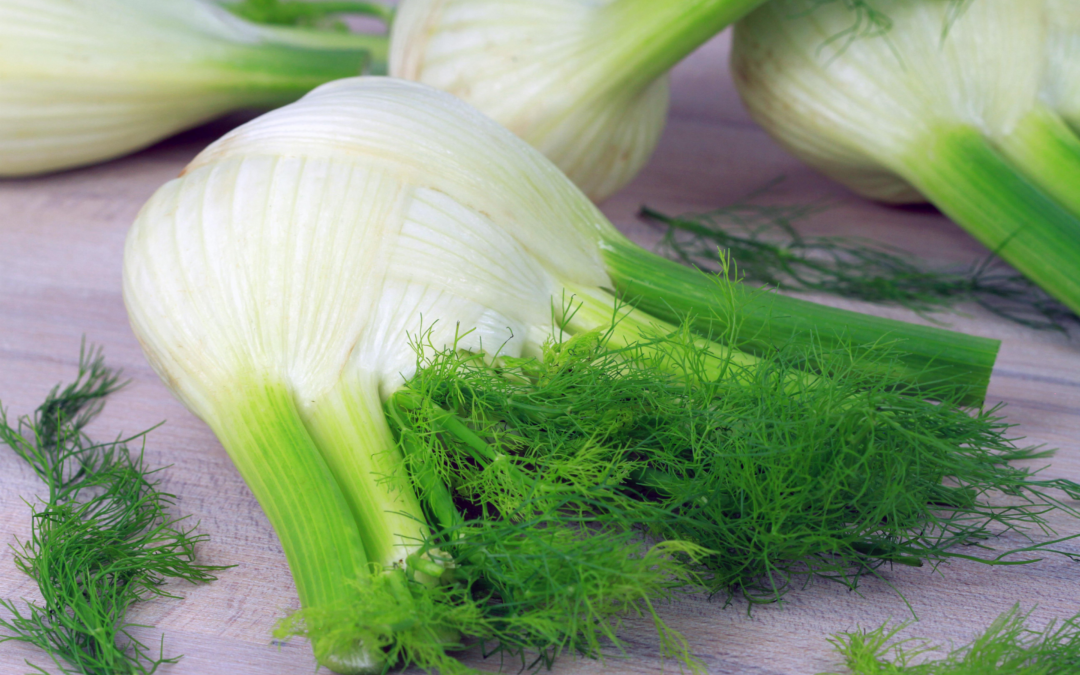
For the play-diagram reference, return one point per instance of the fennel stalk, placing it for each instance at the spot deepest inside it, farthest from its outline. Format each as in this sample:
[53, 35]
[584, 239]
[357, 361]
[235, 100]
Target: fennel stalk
[766, 248]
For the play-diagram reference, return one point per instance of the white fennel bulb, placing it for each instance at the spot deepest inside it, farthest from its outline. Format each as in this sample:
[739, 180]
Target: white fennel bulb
[279, 287]
[82, 81]
[583, 81]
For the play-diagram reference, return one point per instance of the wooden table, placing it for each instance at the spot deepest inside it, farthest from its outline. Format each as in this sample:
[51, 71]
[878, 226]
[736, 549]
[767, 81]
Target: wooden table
[61, 242]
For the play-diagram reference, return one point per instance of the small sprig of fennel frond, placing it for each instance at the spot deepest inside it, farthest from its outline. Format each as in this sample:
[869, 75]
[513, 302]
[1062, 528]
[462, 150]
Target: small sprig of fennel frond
[1007, 647]
[102, 540]
[545, 480]
[868, 21]
[769, 250]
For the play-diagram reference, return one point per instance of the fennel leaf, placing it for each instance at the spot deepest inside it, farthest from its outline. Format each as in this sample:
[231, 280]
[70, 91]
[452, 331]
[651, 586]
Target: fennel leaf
[768, 249]
[102, 540]
[772, 474]
[1008, 647]
[569, 492]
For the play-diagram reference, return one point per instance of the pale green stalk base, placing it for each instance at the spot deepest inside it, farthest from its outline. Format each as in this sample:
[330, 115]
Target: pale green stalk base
[349, 427]
[627, 327]
[260, 427]
[594, 310]
[971, 182]
[939, 362]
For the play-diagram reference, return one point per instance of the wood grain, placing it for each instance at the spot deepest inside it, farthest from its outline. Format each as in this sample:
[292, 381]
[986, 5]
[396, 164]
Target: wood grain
[61, 243]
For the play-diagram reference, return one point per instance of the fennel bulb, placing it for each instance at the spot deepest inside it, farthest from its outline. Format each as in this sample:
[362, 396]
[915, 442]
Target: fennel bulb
[82, 81]
[1062, 89]
[957, 109]
[583, 81]
[279, 287]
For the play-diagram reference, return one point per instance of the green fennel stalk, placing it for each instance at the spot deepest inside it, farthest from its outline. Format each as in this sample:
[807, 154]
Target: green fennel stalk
[316, 24]
[102, 540]
[293, 13]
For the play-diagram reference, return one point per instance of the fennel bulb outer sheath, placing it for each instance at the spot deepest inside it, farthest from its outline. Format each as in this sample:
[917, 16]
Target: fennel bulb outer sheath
[82, 81]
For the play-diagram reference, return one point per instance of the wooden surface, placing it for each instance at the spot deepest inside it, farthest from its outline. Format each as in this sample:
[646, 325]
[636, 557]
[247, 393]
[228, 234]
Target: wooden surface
[61, 242]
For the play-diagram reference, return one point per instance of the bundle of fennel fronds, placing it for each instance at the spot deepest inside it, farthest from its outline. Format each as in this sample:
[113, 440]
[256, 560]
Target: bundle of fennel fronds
[497, 486]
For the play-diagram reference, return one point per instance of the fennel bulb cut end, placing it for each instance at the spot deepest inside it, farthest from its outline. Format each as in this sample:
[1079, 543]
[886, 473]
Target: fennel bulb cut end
[82, 81]
[357, 661]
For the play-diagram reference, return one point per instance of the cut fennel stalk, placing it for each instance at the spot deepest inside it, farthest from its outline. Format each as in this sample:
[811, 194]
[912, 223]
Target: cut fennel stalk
[964, 109]
[276, 284]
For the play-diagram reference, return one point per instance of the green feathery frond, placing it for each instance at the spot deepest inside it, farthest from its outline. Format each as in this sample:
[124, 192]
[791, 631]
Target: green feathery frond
[767, 249]
[1008, 647]
[101, 541]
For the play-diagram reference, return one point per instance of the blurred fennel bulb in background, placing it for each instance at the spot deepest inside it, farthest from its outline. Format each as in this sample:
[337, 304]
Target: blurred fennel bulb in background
[583, 81]
[957, 108]
[82, 81]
